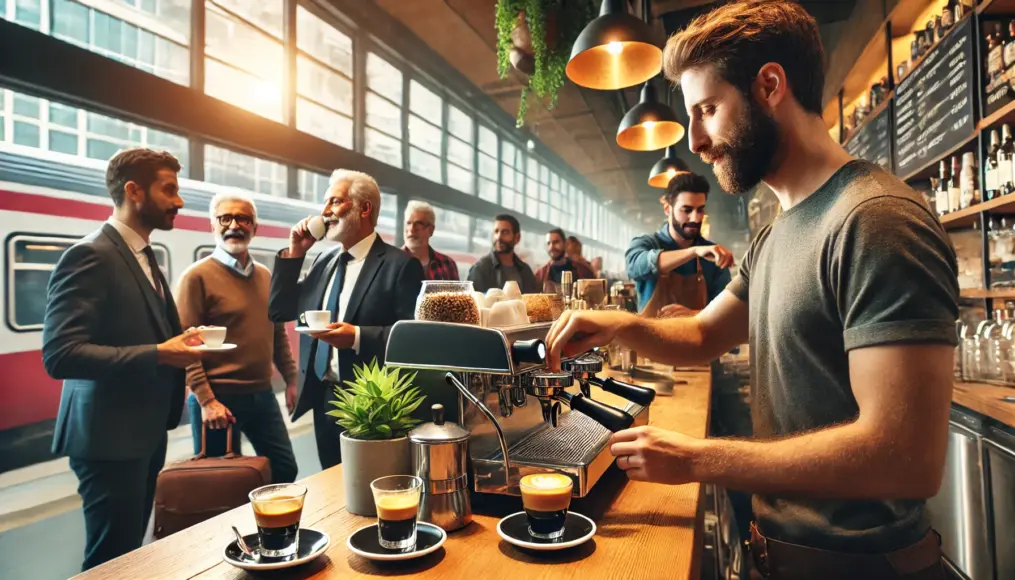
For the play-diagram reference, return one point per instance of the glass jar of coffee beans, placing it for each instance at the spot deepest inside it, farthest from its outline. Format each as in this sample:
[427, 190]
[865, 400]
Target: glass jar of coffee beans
[442, 301]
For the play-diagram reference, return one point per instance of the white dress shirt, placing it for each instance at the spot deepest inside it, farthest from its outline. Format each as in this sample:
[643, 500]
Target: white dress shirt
[352, 269]
[137, 244]
[227, 259]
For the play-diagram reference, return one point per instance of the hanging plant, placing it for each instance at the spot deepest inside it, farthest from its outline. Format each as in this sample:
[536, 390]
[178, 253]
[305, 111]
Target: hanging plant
[553, 26]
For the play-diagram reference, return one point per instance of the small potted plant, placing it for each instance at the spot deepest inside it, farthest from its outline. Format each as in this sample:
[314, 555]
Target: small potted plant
[376, 412]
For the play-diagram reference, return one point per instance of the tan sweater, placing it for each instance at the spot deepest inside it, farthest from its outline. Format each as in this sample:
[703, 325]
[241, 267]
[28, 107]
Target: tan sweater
[213, 294]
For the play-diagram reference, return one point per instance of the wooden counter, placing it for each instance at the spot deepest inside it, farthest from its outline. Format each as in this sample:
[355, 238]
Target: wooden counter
[986, 399]
[648, 531]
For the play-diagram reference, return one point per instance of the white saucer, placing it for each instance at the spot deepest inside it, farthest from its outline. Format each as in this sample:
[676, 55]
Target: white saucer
[206, 348]
[514, 529]
[308, 330]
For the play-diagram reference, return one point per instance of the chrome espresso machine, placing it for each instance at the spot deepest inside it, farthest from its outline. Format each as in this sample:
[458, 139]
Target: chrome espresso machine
[522, 418]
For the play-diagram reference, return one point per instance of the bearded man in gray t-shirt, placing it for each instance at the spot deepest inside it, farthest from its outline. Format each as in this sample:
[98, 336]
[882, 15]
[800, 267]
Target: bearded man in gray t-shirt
[848, 300]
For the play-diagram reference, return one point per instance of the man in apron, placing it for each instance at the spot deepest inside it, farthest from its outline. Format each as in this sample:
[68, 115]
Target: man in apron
[676, 271]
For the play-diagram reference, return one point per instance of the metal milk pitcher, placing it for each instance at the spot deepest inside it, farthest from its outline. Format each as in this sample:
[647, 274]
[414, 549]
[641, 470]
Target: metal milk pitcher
[440, 453]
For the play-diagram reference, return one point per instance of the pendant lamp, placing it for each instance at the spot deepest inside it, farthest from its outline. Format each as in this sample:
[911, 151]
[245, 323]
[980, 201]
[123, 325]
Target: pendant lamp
[664, 169]
[649, 125]
[614, 51]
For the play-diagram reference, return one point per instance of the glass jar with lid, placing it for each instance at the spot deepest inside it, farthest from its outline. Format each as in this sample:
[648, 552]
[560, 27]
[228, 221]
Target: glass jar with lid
[447, 301]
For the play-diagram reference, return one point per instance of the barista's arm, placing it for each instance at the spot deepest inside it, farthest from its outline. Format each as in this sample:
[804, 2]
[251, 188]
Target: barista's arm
[675, 258]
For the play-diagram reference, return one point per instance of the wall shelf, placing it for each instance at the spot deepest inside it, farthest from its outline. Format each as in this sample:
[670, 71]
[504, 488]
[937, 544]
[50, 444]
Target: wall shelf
[965, 218]
[996, 293]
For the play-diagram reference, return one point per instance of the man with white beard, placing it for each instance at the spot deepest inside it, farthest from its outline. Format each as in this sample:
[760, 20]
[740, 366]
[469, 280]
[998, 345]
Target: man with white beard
[230, 289]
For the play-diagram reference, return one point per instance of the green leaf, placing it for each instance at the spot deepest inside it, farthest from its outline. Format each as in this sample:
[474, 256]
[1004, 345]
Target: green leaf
[384, 430]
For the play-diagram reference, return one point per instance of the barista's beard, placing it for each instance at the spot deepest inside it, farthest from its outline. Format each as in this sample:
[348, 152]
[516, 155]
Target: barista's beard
[743, 161]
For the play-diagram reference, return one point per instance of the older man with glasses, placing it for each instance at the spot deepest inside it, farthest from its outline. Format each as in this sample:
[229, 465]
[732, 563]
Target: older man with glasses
[420, 221]
[230, 289]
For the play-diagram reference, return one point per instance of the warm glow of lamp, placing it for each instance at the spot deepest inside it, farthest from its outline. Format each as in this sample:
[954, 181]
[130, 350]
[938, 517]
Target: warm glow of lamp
[614, 48]
[614, 51]
[667, 167]
[649, 125]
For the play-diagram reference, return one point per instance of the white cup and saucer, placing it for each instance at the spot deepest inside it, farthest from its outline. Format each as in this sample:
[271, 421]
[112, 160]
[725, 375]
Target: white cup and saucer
[214, 338]
[313, 321]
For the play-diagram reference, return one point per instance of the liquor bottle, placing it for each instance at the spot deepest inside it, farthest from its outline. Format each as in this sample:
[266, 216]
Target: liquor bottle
[948, 16]
[1005, 167]
[960, 9]
[939, 32]
[969, 193]
[1009, 50]
[995, 58]
[955, 187]
[990, 171]
[941, 193]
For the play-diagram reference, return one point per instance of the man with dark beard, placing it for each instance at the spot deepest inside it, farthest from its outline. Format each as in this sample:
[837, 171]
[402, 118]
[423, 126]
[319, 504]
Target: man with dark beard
[113, 335]
[848, 301]
[503, 265]
[367, 284]
[230, 289]
[676, 271]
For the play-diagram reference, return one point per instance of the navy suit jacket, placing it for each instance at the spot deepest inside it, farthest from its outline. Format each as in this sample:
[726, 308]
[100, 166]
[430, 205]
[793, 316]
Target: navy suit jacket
[103, 322]
[385, 293]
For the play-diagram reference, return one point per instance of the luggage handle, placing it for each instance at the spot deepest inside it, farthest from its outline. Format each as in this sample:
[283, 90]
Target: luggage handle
[229, 443]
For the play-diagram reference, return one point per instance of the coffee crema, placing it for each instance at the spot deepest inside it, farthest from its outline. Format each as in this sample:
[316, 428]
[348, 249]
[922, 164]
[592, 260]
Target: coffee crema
[278, 512]
[397, 507]
[546, 491]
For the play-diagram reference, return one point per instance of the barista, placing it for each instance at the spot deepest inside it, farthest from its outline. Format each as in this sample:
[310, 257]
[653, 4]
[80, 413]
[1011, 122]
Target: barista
[677, 271]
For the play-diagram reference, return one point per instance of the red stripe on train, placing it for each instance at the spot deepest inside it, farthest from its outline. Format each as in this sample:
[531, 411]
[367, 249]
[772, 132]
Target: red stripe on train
[27, 394]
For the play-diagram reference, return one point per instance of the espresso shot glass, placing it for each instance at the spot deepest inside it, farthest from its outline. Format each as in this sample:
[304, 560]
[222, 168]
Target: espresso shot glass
[396, 498]
[277, 512]
[546, 498]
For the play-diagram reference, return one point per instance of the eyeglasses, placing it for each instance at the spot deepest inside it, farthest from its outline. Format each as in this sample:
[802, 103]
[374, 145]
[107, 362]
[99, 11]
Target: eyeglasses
[227, 219]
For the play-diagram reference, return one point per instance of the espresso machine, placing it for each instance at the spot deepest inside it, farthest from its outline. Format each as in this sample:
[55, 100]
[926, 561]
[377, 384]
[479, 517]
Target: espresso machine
[522, 418]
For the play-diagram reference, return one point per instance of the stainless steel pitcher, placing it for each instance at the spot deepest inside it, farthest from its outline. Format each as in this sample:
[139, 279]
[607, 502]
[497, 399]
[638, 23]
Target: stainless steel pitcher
[440, 453]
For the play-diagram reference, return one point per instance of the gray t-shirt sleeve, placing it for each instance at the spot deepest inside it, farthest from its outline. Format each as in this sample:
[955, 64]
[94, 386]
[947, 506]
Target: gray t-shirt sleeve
[894, 276]
[741, 283]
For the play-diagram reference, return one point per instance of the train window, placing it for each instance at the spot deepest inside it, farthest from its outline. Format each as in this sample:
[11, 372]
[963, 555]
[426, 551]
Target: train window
[162, 258]
[30, 260]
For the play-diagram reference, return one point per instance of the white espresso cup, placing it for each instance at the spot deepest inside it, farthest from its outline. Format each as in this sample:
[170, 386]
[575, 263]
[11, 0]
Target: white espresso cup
[317, 319]
[318, 226]
[213, 336]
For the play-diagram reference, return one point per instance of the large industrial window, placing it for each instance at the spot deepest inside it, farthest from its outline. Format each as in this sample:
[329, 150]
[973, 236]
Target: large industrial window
[451, 232]
[324, 77]
[225, 167]
[461, 150]
[425, 119]
[41, 124]
[487, 164]
[311, 186]
[536, 184]
[244, 57]
[512, 182]
[383, 133]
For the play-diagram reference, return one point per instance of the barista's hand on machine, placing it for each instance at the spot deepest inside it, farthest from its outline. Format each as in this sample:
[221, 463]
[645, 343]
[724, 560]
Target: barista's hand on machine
[577, 331]
[654, 454]
[340, 335]
[718, 254]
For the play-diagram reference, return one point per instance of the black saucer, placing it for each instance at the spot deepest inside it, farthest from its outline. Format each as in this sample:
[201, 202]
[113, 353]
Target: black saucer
[365, 542]
[514, 529]
[311, 545]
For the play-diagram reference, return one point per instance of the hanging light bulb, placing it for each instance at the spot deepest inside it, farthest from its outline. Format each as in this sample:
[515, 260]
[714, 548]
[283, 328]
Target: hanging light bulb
[664, 169]
[614, 51]
[649, 125]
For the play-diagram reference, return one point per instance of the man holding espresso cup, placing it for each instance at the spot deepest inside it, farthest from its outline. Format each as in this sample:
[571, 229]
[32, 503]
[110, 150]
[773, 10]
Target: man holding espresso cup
[366, 284]
[112, 333]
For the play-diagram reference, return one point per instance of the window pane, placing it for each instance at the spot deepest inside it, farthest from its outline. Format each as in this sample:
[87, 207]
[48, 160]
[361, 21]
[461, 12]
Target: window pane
[28, 13]
[424, 164]
[323, 85]
[243, 90]
[265, 14]
[382, 147]
[507, 152]
[460, 179]
[63, 115]
[459, 153]
[70, 22]
[507, 177]
[459, 124]
[487, 166]
[63, 142]
[425, 103]
[26, 134]
[488, 190]
[487, 141]
[323, 123]
[324, 42]
[226, 167]
[383, 115]
[101, 149]
[311, 185]
[384, 78]
[424, 135]
[27, 106]
[532, 168]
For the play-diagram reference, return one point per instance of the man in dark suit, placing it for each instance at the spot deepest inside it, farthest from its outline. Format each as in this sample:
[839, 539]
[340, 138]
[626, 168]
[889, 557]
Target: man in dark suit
[112, 334]
[367, 285]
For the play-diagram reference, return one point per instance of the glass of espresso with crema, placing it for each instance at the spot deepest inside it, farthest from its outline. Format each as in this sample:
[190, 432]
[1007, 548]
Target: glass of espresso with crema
[546, 497]
[277, 512]
[396, 498]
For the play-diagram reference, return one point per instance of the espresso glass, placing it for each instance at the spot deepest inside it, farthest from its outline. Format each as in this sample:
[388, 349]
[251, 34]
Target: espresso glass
[546, 498]
[277, 512]
[396, 498]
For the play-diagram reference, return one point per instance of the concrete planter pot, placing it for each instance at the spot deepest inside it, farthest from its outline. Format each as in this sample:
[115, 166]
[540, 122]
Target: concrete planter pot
[365, 460]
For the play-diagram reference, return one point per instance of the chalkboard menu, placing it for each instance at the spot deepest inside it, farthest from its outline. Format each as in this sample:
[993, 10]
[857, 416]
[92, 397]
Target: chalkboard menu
[934, 104]
[871, 141]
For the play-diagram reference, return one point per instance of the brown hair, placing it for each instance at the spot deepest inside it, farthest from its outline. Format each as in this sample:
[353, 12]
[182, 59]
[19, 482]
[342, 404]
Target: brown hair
[139, 165]
[685, 182]
[741, 37]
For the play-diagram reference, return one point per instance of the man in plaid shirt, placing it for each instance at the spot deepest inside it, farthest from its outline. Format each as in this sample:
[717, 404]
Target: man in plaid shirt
[419, 227]
[549, 275]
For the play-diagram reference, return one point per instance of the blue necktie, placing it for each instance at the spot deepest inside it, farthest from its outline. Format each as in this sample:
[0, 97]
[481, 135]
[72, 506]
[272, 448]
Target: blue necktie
[323, 348]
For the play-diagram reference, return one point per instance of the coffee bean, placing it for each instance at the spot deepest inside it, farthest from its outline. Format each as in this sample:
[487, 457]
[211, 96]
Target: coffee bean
[448, 307]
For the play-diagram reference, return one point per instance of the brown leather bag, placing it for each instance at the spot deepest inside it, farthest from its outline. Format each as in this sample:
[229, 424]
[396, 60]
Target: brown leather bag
[196, 489]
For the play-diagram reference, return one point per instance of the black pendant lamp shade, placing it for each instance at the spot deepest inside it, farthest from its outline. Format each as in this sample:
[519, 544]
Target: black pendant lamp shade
[649, 125]
[664, 169]
[614, 51]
